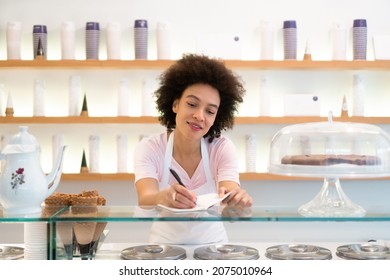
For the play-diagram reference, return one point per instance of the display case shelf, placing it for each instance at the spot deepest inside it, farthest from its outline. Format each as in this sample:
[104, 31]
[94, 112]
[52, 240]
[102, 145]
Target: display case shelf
[245, 176]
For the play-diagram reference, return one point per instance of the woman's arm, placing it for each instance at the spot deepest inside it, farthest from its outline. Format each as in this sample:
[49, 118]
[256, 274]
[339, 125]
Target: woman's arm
[173, 196]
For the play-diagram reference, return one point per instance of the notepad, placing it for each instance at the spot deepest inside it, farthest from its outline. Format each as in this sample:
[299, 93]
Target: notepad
[203, 203]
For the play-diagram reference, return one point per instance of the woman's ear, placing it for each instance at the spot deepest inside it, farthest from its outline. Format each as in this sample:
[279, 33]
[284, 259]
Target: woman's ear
[175, 105]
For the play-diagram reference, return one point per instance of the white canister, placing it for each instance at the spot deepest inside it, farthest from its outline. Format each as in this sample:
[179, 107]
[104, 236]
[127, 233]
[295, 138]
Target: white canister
[94, 153]
[250, 152]
[14, 36]
[164, 40]
[68, 40]
[358, 95]
[122, 153]
[123, 97]
[39, 98]
[266, 40]
[74, 95]
[113, 40]
[339, 41]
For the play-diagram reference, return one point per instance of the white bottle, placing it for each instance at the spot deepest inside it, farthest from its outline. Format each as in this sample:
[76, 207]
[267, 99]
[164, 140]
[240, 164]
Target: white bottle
[68, 38]
[14, 36]
[94, 153]
[57, 143]
[265, 97]
[2, 100]
[250, 152]
[123, 97]
[358, 92]
[122, 153]
[147, 98]
[164, 40]
[39, 98]
[113, 40]
[74, 95]
[266, 41]
[339, 41]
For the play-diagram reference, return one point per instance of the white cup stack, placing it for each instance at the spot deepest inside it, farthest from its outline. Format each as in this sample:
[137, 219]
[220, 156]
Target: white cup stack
[113, 40]
[250, 152]
[14, 39]
[35, 241]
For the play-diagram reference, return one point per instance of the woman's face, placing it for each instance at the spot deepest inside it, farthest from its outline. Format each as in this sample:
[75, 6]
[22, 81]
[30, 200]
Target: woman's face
[196, 110]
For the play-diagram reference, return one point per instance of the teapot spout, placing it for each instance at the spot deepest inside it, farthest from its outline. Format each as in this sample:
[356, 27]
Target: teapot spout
[54, 177]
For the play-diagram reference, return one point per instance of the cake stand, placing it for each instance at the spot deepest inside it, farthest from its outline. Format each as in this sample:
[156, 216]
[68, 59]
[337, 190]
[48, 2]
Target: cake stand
[339, 141]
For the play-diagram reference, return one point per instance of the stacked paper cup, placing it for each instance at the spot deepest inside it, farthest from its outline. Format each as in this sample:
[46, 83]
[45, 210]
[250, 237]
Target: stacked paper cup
[290, 39]
[40, 32]
[14, 39]
[92, 36]
[250, 152]
[141, 39]
[113, 39]
[359, 39]
[35, 241]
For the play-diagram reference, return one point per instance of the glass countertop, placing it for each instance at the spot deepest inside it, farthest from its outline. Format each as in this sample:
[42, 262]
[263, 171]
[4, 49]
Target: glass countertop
[216, 213]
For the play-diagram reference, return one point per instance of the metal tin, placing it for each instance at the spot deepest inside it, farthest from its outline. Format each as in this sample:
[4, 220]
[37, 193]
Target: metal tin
[11, 253]
[226, 252]
[153, 252]
[298, 252]
[366, 251]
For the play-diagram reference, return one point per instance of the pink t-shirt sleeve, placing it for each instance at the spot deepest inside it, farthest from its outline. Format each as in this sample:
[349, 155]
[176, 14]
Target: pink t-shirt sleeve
[149, 158]
[224, 160]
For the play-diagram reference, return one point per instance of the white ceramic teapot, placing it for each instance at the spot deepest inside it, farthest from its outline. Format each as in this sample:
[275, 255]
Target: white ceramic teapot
[23, 184]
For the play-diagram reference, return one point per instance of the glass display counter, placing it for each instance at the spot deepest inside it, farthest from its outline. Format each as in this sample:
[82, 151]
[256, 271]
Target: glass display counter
[87, 226]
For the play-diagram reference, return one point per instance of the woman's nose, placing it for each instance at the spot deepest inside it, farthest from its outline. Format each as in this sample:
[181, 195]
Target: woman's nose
[199, 115]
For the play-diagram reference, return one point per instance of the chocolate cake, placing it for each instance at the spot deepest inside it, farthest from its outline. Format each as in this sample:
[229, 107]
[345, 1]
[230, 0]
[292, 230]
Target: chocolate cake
[323, 160]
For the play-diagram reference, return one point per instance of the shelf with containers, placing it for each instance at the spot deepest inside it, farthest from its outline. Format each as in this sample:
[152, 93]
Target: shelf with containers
[54, 123]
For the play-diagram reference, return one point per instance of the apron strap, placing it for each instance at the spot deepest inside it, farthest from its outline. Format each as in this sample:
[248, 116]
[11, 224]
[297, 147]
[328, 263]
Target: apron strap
[168, 160]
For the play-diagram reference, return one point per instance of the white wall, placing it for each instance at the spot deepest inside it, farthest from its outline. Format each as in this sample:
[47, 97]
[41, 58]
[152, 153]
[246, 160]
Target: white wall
[188, 18]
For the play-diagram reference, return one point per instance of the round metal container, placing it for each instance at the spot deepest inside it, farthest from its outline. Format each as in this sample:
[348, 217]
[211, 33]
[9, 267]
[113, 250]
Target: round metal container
[11, 253]
[153, 252]
[226, 252]
[364, 251]
[298, 252]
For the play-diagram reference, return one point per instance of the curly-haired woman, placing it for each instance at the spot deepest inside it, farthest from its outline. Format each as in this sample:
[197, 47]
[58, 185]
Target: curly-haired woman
[197, 99]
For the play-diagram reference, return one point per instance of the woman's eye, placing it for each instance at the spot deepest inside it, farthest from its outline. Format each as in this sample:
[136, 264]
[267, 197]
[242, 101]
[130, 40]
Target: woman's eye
[211, 112]
[191, 104]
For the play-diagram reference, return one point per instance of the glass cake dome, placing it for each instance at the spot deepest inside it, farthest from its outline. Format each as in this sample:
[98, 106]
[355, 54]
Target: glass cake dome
[331, 150]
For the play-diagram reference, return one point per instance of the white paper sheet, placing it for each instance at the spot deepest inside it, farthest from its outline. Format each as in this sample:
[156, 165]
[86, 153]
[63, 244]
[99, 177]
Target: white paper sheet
[203, 202]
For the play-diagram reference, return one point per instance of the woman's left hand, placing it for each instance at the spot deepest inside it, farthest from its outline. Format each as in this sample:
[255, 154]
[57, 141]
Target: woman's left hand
[237, 197]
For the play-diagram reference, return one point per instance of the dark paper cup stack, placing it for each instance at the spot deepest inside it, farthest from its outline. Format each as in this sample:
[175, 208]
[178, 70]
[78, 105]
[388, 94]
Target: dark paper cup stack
[92, 36]
[40, 33]
[290, 39]
[141, 39]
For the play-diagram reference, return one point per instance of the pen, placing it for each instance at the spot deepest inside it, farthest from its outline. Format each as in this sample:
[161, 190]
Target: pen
[176, 177]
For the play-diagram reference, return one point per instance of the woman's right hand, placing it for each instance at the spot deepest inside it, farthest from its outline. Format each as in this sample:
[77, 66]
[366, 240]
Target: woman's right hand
[178, 196]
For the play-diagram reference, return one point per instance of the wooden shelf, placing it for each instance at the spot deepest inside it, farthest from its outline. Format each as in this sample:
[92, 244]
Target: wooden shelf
[78, 120]
[243, 177]
[236, 64]
[154, 120]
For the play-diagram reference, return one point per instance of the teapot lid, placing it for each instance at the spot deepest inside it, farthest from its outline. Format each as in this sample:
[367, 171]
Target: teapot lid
[22, 142]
